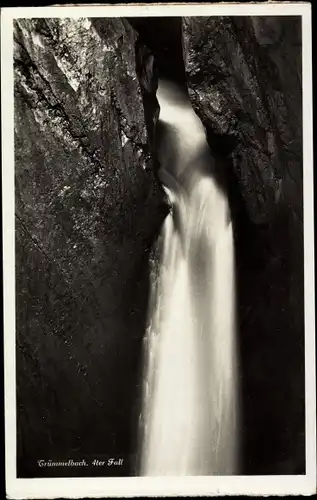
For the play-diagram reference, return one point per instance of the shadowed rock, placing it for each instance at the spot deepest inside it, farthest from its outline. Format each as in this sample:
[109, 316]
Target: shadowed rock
[87, 211]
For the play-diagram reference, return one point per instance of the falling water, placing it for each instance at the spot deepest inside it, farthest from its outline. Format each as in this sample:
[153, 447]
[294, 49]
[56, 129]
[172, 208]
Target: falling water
[189, 414]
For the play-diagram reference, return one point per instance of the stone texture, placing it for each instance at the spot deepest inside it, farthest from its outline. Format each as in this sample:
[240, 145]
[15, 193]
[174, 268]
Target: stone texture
[87, 210]
[244, 78]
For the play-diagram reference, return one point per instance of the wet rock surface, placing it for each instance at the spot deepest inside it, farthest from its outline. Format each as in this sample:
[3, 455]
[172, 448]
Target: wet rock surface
[87, 211]
[244, 80]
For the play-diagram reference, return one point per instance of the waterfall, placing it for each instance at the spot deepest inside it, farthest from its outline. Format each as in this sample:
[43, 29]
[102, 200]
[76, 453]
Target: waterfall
[189, 415]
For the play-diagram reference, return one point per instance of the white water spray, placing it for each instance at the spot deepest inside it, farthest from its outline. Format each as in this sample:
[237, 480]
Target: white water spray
[190, 402]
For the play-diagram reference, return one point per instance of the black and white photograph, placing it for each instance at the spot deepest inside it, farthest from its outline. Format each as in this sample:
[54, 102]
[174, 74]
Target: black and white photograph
[157, 184]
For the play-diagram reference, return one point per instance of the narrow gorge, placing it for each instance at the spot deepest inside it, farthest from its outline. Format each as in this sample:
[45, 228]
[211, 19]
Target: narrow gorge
[159, 160]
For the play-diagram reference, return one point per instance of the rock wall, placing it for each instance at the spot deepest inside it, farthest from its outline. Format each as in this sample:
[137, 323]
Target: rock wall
[244, 80]
[87, 211]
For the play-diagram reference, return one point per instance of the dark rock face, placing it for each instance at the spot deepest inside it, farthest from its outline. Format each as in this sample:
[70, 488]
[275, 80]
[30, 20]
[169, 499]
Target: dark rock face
[244, 80]
[87, 211]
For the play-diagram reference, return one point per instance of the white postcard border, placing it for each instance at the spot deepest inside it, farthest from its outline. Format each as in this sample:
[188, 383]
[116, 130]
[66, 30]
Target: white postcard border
[133, 486]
